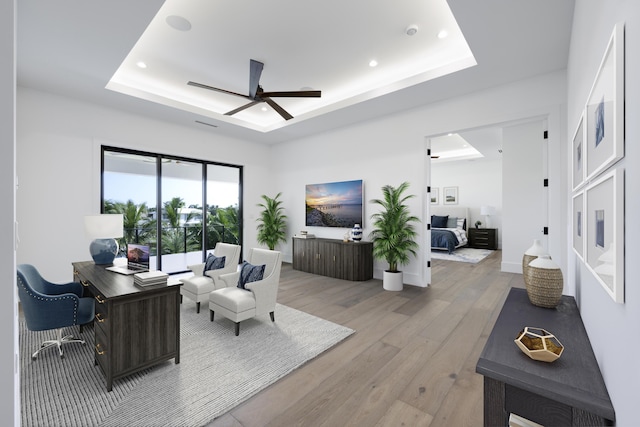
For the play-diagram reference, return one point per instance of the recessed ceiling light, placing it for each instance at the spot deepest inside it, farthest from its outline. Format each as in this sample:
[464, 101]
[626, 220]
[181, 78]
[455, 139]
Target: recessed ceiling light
[141, 64]
[443, 34]
[264, 108]
[178, 23]
[373, 63]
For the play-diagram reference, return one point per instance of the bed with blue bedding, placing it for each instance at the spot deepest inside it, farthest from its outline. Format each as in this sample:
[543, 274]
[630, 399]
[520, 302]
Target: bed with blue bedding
[448, 232]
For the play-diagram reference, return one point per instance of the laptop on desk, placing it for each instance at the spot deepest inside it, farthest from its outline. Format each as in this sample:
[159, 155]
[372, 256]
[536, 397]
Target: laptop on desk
[137, 260]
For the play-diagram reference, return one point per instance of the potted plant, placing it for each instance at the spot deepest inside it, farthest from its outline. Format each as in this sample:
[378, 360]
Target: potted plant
[478, 224]
[272, 227]
[393, 234]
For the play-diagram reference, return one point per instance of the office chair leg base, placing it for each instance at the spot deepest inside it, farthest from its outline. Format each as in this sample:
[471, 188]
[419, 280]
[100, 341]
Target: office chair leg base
[57, 342]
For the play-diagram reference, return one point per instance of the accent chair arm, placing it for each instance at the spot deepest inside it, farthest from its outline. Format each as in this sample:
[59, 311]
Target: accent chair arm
[230, 279]
[197, 269]
[74, 288]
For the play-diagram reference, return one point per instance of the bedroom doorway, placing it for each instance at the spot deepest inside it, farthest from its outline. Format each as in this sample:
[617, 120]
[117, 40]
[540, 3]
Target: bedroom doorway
[492, 174]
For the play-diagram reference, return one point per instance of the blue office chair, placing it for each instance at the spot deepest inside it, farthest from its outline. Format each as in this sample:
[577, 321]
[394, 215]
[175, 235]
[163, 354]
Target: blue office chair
[49, 305]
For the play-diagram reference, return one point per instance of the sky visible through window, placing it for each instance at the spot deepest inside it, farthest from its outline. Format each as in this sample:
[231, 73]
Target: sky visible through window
[119, 187]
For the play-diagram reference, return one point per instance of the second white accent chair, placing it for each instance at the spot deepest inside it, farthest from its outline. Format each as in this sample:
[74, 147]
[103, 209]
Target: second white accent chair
[201, 284]
[257, 298]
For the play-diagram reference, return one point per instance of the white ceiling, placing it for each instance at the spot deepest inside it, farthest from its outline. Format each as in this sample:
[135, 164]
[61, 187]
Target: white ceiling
[74, 48]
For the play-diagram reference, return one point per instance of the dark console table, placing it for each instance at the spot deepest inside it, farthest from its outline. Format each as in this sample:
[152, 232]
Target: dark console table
[134, 327]
[334, 258]
[567, 392]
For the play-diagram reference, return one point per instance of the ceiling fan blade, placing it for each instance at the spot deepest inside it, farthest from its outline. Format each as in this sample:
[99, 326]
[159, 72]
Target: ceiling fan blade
[278, 108]
[203, 86]
[293, 94]
[255, 71]
[244, 107]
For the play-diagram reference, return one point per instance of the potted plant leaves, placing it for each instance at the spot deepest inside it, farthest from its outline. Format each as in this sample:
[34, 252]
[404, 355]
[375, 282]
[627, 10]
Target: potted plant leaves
[394, 233]
[273, 226]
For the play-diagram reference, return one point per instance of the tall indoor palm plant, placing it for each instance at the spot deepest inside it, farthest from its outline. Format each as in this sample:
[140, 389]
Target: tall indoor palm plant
[394, 233]
[273, 226]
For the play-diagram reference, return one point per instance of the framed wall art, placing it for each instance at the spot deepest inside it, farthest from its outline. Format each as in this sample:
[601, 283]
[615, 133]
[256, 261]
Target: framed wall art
[604, 228]
[604, 113]
[578, 224]
[434, 196]
[578, 155]
[450, 196]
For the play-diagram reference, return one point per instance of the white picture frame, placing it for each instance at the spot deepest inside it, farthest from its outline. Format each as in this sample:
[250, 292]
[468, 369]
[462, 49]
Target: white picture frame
[604, 228]
[578, 223]
[578, 155]
[604, 112]
[435, 192]
[450, 195]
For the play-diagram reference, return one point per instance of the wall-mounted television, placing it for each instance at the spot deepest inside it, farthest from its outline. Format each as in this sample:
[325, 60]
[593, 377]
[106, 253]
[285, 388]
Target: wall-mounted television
[334, 204]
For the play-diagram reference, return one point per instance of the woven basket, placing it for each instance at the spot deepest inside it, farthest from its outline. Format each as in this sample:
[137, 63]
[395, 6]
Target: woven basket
[544, 286]
[526, 259]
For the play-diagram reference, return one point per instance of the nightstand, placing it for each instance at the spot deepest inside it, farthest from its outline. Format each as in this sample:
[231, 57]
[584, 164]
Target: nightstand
[483, 238]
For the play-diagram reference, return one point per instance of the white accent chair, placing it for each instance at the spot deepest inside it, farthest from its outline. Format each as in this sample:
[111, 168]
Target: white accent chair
[201, 284]
[259, 298]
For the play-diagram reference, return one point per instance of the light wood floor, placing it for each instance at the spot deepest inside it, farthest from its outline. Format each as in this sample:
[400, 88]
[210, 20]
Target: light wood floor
[411, 361]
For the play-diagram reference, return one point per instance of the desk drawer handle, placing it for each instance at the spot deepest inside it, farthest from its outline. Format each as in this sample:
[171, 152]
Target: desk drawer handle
[100, 352]
[100, 299]
[99, 318]
[85, 283]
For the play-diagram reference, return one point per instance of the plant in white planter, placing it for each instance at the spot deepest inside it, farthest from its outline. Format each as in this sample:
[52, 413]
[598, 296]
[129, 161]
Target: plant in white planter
[394, 233]
[272, 228]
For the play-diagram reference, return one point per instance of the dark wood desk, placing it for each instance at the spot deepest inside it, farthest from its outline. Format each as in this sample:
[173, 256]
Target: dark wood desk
[567, 392]
[134, 327]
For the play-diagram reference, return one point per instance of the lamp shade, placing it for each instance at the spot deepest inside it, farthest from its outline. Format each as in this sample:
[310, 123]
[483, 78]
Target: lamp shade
[104, 226]
[487, 210]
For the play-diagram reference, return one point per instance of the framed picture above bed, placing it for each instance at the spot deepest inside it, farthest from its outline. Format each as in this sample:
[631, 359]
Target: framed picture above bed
[450, 195]
[434, 196]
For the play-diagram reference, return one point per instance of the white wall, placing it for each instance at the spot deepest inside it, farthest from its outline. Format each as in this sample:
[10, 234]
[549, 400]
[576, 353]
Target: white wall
[612, 328]
[58, 164]
[390, 150]
[479, 183]
[9, 373]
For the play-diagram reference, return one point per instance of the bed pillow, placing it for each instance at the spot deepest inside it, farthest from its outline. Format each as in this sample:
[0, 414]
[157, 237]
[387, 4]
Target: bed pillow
[439, 221]
[462, 223]
[452, 222]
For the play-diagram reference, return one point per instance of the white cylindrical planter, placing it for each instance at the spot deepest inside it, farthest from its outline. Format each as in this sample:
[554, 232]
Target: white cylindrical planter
[392, 281]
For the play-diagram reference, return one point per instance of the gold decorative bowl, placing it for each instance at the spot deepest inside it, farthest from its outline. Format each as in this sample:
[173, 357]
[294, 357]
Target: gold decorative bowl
[539, 344]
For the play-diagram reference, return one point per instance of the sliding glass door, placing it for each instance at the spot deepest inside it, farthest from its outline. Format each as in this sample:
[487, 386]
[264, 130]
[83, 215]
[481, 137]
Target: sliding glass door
[180, 207]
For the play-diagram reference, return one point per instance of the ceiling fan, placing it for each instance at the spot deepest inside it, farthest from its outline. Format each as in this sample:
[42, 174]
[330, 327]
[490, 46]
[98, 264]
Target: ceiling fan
[258, 95]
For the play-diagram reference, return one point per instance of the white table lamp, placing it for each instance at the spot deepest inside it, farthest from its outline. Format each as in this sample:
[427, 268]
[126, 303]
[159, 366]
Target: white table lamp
[104, 229]
[487, 211]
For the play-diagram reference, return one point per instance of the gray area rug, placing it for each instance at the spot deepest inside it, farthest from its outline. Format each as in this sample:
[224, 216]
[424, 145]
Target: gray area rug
[217, 371]
[462, 255]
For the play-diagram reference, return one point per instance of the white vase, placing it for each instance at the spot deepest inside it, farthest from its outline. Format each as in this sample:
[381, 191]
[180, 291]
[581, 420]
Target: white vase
[356, 233]
[529, 255]
[392, 281]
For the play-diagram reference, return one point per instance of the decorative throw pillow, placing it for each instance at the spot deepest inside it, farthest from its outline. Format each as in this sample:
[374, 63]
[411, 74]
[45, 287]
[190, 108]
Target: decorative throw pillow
[439, 221]
[214, 262]
[462, 224]
[452, 222]
[250, 273]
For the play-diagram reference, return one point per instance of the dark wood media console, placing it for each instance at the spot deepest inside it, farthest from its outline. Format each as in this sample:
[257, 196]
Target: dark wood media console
[134, 327]
[334, 258]
[567, 392]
